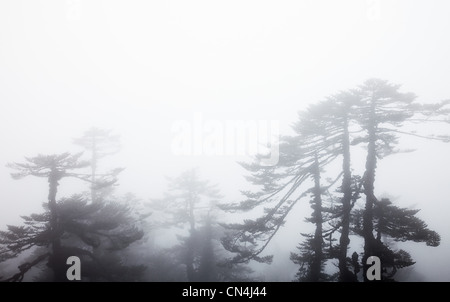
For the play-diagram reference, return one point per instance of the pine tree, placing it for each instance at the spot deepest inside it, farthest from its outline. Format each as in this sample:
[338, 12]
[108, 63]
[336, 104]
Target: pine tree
[71, 227]
[100, 143]
[322, 138]
[83, 227]
[374, 115]
[398, 224]
[189, 209]
[53, 168]
[207, 268]
[383, 110]
[187, 202]
[329, 123]
[311, 257]
[212, 266]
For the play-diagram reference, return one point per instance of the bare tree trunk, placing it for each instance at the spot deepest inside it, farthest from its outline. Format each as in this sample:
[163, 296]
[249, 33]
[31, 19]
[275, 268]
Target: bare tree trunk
[56, 262]
[207, 271]
[344, 274]
[93, 168]
[369, 181]
[316, 265]
[190, 271]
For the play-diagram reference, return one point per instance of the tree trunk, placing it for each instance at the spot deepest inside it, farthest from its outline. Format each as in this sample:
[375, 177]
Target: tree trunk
[206, 270]
[316, 265]
[56, 262]
[190, 271]
[93, 168]
[369, 180]
[344, 274]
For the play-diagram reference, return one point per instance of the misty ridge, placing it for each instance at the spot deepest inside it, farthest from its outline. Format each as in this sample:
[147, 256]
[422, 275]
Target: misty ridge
[194, 232]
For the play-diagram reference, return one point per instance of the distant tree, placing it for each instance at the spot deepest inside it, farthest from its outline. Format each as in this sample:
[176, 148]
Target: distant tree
[212, 265]
[82, 228]
[187, 203]
[71, 227]
[207, 268]
[100, 143]
[190, 205]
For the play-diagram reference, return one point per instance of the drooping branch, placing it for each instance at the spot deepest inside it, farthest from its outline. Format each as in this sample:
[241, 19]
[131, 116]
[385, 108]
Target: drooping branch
[25, 267]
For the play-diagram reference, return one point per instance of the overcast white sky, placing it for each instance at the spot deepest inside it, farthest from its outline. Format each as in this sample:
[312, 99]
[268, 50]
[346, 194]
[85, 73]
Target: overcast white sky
[139, 66]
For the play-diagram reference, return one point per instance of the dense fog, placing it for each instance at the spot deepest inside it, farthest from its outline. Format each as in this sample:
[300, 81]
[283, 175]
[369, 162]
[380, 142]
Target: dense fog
[224, 140]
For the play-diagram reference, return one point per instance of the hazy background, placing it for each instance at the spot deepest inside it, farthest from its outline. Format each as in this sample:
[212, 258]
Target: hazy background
[138, 67]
